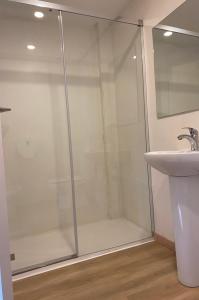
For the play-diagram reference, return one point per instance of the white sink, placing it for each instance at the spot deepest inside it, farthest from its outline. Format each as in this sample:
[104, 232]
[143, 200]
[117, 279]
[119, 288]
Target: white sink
[174, 163]
[182, 167]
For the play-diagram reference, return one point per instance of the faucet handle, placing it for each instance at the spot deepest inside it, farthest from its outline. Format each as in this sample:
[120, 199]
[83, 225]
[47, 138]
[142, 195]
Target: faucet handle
[193, 131]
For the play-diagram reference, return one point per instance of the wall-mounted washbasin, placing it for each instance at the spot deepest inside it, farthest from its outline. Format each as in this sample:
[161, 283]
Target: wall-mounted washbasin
[174, 163]
[182, 167]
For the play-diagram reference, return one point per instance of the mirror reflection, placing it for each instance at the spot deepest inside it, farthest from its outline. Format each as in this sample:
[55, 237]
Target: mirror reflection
[176, 57]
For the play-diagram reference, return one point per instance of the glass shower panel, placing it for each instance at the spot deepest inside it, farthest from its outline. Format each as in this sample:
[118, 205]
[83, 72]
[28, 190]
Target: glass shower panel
[1, 287]
[105, 91]
[35, 137]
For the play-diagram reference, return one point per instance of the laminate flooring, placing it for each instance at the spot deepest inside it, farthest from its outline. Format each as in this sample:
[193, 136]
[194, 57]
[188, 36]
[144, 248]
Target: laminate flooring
[146, 272]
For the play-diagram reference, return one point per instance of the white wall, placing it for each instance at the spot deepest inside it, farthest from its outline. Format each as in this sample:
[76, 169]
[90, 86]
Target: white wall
[93, 118]
[163, 132]
[106, 85]
[131, 124]
[92, 144]
[32, 84]
[105, 136]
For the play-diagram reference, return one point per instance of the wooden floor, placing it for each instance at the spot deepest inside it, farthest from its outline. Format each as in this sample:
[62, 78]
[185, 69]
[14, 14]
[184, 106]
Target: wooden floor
[141, 273]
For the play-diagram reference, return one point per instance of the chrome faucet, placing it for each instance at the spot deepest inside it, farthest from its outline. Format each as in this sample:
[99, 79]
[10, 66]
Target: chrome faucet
[192, 138]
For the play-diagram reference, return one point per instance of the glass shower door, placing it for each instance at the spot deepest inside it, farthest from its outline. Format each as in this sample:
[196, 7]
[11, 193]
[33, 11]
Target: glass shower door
[35, 139]
[106, 99]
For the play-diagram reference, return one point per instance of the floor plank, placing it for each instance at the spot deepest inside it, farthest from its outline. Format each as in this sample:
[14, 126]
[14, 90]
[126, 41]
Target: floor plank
[141, 273]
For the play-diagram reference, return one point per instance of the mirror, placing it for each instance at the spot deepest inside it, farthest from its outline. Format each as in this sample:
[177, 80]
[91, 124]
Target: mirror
[176, 57]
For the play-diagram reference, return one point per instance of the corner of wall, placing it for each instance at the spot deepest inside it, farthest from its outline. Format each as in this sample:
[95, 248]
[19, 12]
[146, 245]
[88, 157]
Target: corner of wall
[160, 184]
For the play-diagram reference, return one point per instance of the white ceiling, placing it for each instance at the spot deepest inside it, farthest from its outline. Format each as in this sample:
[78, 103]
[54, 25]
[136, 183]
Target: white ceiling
[186, 16]
[107, 8]
[151, 11]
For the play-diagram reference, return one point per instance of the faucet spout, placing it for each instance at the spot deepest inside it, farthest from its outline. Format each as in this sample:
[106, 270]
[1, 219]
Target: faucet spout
[193, 143]
[192, 138]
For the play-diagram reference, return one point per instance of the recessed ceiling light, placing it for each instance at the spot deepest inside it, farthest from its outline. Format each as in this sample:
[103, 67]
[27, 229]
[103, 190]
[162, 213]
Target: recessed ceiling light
[31, 47]
[134, 57]
[38, 14]
[168, 33]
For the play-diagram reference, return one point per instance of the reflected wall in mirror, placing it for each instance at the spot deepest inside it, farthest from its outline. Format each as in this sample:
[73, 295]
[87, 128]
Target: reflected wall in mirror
[176, 57]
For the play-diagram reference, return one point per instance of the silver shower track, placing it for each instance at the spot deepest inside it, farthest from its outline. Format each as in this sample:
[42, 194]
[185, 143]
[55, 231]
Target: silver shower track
[66, 8]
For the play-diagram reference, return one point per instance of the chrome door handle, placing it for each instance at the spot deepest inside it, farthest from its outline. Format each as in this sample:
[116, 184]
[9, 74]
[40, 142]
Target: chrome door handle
[4, 109]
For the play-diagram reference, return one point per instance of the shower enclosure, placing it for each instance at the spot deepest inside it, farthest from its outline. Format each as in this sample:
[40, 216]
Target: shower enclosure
[74, 140]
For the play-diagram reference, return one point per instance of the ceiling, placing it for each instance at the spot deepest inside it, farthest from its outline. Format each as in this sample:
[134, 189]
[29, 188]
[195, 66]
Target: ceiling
[151, 11]
[185, 16]
[114, 8]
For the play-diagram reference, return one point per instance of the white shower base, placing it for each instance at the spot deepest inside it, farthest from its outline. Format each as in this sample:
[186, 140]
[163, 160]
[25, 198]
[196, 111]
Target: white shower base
[93, 237]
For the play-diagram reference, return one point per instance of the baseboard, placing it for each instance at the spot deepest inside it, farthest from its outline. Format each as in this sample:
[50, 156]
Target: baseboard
[164, 241]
